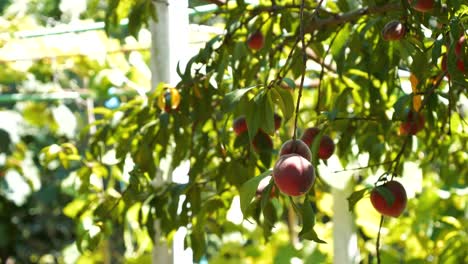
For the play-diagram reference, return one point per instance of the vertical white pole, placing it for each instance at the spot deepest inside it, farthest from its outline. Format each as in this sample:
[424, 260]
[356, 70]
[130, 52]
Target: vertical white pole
[345, 242]
[169, 47]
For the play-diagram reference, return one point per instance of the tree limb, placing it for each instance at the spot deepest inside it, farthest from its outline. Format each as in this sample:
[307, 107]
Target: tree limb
[217, 2]
[350, 16]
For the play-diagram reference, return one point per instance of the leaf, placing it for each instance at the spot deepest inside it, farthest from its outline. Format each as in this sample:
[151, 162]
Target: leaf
[386, 194]
[254, 115]
[355, 197]
[284, 99]
[400, 106]
[308, 222]
[232, 98]
[268, 114]
[248, 190]
[289, 82]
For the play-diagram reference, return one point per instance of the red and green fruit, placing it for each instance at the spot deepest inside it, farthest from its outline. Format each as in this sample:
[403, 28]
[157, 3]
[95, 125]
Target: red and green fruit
[389, 198]
[393, 30]
[293, 174]
[169, 99]
[296, 146]
[459, 46]
[256, 40]
[239, 125]
[278, 120]
[326, 148]
[413, 124]
[309, 135]
[262, 142]
[422, 5]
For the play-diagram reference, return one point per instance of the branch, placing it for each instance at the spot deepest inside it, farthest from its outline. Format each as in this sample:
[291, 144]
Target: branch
[217, 2]
[316, 24]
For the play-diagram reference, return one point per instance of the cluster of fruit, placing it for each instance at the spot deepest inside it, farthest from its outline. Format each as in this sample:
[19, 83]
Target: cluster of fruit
[396, 30]
[293, 172]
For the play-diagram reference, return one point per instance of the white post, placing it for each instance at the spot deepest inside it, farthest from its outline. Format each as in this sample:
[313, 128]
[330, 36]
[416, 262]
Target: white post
[345, 244]
[169, 47]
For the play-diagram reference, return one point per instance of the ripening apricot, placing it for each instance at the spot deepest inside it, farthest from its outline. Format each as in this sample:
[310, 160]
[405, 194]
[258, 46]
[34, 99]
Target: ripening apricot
[169, 99]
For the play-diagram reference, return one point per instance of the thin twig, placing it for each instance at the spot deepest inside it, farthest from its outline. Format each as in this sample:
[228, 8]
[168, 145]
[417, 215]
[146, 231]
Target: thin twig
[304, 60]
[377, 245]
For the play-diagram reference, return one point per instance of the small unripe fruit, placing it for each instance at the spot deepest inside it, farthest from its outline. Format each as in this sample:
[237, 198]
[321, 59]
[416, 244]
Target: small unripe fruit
[393, 30]
[256, 40]
[326, 148]
[392, 206]
[413, 124]
[422, 5]
[293, 174]
[239, 125]
[296, 146]
[169, 99]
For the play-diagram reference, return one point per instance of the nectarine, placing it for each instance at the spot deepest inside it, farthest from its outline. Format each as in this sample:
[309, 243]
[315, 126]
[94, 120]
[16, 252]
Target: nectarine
[256, 40]
[393, 30]
[389, 198]
[293, 174]
[296, 146]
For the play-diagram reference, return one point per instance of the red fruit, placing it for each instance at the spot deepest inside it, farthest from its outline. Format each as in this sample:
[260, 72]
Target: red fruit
[239, 125]
[309, 135]
[262, 185]
[296, 146]
[422, 5]
[293, 174]
[326, 148]
[396, 200]
[393, 30]
[262, 142]
[256, 40]
[413, 124]
[278, 120]
[458, 47]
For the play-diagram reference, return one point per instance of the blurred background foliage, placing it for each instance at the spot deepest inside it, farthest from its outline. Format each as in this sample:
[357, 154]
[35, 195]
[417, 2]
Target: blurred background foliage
[85, 144]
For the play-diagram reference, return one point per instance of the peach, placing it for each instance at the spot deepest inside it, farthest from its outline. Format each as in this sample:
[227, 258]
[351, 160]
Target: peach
[256, 40]
[296, 146]
[396, 206]
[239, 125]
[393, 30]
[293, 174]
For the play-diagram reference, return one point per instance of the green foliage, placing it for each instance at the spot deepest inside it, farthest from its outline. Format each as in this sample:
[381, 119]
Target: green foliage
[357, 90]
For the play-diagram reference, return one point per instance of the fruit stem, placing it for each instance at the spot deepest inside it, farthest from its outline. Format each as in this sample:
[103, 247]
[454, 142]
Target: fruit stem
[377, 244]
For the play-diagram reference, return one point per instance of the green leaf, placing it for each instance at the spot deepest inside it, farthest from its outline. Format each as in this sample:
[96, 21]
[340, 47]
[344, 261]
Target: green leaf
[386, 194]
[308, 222]
[248, 190]
[289, 82]
[400, 107]
[268, 114]
[284, 99]
[355, 197]
[231, 99]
